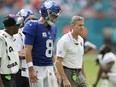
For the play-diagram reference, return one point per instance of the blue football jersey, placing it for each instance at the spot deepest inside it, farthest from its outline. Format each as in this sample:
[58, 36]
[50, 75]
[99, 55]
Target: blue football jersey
[42, 39]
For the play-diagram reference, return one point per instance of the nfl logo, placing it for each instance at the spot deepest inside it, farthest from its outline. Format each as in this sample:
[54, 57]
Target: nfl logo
[44, 34]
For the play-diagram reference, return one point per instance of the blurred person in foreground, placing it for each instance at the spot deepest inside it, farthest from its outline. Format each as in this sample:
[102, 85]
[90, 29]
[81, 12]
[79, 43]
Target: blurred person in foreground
[39, 39]
[106, 60]
[9, 58]
[22, 77]
[70, 51]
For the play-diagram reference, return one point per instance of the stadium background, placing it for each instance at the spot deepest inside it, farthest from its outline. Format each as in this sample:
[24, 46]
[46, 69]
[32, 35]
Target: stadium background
[98, 14]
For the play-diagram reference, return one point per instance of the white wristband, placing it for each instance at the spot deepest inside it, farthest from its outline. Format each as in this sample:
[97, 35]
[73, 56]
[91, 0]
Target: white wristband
[29, 64]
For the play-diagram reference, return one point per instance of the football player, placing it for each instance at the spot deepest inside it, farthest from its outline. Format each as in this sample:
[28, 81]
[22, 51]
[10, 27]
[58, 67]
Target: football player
[22, 79]
[39, 41]
[107, 65]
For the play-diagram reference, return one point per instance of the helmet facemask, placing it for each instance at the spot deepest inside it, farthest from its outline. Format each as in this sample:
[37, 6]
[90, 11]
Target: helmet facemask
[52, 17]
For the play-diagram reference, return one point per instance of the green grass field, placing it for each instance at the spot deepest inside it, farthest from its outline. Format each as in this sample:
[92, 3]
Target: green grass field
[91, 69]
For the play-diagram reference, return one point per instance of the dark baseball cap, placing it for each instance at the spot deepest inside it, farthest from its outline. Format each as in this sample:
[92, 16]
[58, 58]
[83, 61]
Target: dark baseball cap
[12, 20]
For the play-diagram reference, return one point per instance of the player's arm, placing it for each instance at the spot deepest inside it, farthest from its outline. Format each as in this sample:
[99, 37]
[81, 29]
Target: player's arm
[98, 77]
[30, 32]
[89, 46]
[28, 55]
[28, 50]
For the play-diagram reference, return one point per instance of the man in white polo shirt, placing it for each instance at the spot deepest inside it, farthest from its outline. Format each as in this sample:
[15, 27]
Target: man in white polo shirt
[70, 51]
[9, 58]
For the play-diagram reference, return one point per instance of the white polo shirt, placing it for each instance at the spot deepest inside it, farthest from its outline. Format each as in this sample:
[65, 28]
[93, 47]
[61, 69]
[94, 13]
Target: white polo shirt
[71, 50]
[107, 58]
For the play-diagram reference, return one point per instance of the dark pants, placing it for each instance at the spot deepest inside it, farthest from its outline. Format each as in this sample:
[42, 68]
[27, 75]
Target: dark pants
[9, 82]
[79, 82]
[21, 81]
[1, 83]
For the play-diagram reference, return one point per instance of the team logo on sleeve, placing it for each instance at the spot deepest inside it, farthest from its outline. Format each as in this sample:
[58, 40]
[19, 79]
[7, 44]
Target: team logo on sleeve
[44, 34]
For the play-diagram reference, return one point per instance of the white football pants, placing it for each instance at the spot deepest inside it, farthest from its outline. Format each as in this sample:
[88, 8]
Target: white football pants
[46, 77]
[112, 79]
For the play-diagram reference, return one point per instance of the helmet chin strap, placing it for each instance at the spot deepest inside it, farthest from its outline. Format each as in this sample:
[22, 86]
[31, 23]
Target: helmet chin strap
[50, 23]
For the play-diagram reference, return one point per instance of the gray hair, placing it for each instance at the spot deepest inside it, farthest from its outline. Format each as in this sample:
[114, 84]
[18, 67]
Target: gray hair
[75, 19]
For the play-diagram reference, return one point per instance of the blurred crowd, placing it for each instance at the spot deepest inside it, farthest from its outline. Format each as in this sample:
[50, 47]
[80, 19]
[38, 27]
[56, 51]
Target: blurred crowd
[86, 8]
[109, 33]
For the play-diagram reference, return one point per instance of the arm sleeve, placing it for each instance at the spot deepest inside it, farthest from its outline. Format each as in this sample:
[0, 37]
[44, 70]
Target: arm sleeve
[110, 57]
[61, 48]
[30, 28]
[29, 39]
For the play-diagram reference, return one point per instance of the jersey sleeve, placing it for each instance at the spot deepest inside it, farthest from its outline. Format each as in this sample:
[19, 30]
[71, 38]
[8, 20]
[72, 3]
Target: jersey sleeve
[29, 39]
[30, 28]
[61, 48]
[110, 57]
